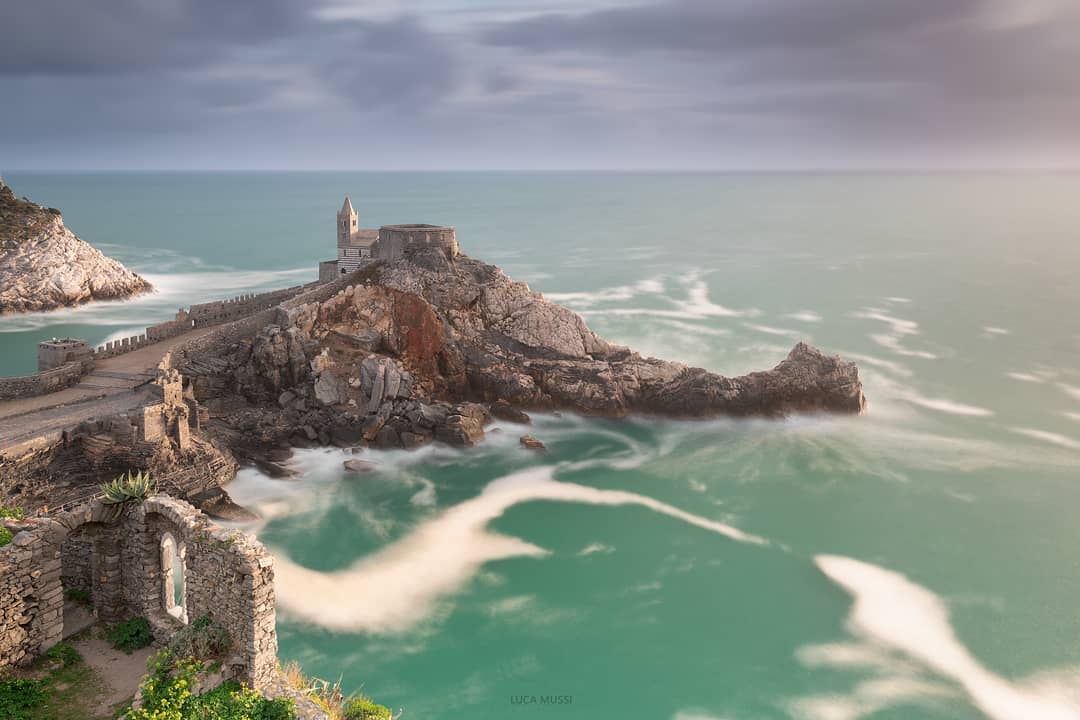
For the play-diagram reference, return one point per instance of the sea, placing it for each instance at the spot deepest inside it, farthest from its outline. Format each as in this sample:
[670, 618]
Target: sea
[921, 560]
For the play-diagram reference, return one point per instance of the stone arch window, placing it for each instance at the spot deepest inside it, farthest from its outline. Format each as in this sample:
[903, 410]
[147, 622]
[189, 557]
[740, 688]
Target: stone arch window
[174, 582]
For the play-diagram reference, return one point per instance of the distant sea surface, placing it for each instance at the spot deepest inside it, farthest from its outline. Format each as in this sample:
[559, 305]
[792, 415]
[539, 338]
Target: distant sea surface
[919, 561]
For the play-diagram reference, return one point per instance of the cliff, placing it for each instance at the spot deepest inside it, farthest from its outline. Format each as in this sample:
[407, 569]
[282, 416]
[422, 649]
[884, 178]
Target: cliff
[429, 347]
[44, 266]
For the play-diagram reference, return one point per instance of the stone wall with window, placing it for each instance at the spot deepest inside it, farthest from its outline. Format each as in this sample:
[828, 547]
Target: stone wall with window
[160, 559]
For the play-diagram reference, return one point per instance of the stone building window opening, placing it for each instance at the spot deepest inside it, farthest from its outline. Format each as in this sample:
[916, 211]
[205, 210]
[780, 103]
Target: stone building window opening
[173, 575]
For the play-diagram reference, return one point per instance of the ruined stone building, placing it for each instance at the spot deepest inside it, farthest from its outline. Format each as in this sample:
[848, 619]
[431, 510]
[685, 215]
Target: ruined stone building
[160, 559]
[358, 246]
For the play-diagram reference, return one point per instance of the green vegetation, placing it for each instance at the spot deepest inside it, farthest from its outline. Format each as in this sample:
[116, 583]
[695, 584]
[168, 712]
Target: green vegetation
[19, 696]
[131, 634]
[64, 654]
[362, 708]
[128, 488]
[330, 698]
[6, 535]
[79, 596]
[63, 687]
[203, 639]
[167, 695]
[19, 219]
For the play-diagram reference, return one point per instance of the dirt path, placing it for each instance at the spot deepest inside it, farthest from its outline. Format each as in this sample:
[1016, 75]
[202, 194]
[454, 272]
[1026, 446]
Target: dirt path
[119, 672]
[115, 386]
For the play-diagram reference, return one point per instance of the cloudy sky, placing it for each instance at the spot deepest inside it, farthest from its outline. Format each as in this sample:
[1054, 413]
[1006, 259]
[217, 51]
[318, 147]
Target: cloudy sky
[524, 84]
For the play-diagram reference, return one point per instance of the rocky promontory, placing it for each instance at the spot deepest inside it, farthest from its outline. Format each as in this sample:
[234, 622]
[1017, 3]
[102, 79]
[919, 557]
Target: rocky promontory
[44, 266]
[430, 347]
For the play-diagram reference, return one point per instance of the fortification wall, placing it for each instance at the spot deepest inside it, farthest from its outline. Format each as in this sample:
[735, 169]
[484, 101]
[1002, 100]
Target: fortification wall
[42, 382]
[227, 575]
[397, 241]
[202, 315]
[198, 316]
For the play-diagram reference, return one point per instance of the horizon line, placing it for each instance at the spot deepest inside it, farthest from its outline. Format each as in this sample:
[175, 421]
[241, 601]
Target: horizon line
[643, 170]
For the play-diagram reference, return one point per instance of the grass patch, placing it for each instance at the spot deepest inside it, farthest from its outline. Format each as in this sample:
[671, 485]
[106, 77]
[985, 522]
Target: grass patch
[129, 635]
[332, 700]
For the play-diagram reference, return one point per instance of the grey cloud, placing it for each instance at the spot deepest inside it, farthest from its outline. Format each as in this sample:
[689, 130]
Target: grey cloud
[397, 62]
[106, 36]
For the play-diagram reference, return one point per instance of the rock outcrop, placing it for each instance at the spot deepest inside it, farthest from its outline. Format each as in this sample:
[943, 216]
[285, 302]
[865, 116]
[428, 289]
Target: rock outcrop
[44, 266]
[430, 348]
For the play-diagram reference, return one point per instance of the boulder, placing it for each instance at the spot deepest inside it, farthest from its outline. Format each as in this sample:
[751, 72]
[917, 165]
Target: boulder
[530, 443]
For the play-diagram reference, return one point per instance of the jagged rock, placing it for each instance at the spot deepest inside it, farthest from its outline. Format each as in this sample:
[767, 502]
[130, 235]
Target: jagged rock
[502, 410]
[387, 438]
[372, 426]
[330, 389]
[43, 265]
[455, 331]
[347, 435]
[411, 440]
[530, 443]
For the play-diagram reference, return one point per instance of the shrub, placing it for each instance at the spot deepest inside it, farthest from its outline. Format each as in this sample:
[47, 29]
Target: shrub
[64, 653]
[6, 535]
[203, 639]
[362, 708]
[76, 595]
[128, 488]
[132, 634]
[19, 696]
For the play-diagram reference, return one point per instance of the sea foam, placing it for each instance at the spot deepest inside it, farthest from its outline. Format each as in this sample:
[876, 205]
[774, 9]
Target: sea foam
[892, 611]
[400, 585]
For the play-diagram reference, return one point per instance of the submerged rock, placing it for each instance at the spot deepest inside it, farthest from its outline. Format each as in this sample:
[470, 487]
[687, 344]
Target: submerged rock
[360, 466]
[44, 266]
[530, 443]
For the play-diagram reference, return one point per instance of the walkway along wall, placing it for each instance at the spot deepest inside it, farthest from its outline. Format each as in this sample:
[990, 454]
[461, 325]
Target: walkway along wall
[197, 316]
[120, 552]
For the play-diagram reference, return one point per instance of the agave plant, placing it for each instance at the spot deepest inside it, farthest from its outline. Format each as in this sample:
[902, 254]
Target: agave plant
[128, 487]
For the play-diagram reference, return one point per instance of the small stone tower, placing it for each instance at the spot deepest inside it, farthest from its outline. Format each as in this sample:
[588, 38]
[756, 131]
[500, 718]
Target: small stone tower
[346, 223]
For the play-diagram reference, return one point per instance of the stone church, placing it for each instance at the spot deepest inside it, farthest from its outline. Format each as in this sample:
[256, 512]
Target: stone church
[357, 246]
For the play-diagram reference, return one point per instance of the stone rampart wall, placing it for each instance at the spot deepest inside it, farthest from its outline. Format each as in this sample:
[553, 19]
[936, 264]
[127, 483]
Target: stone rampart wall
[42, 382]
[227, 575]
[198, 316]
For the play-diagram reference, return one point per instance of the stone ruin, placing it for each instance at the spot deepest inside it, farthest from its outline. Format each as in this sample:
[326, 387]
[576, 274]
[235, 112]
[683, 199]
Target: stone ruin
[160, 559]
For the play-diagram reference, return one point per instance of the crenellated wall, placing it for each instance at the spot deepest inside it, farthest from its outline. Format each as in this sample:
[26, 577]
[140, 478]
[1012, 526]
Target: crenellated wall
[197, 316]
[116, 551]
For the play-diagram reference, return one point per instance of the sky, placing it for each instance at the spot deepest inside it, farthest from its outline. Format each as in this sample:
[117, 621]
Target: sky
[529, 85]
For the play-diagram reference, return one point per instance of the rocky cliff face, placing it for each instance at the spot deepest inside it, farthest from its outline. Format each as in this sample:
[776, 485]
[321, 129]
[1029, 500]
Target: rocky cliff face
[429, 348]
[43, 265]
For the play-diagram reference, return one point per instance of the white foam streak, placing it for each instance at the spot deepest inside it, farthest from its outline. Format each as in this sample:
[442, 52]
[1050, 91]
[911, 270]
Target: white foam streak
[946, 406]
[892, 342]
[769, 330]
[991, 330]
[807, 316]
[1070, 390]
[891, 610]
[400, 585]
[1048, 437]
[1024, 377]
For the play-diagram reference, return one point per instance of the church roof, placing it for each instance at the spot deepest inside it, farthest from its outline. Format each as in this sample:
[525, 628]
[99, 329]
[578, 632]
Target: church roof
[347, 208]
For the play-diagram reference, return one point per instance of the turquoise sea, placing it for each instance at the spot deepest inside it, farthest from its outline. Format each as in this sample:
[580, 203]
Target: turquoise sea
[919, 561]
